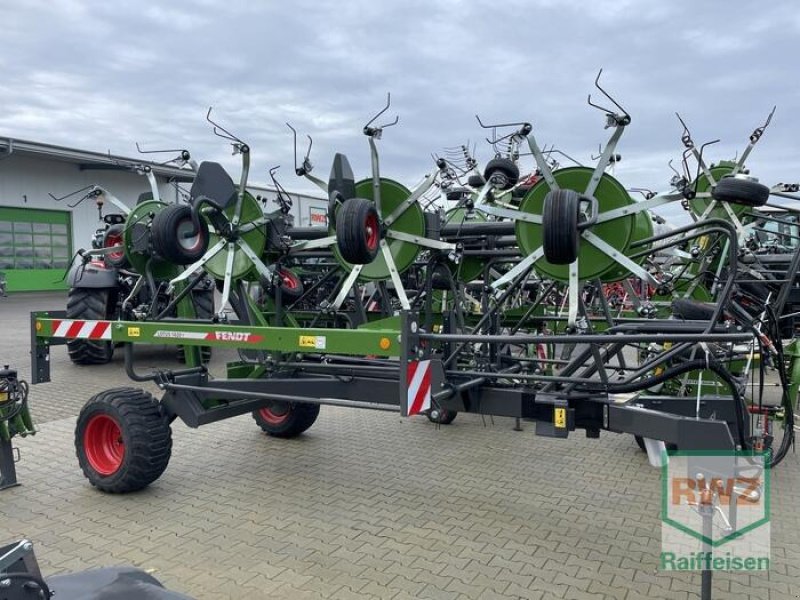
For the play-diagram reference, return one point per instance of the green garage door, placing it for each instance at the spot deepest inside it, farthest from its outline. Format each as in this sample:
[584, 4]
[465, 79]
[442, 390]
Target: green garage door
[35, 248]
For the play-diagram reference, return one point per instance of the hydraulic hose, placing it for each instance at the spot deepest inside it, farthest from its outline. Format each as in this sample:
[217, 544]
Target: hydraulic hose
[699, 364]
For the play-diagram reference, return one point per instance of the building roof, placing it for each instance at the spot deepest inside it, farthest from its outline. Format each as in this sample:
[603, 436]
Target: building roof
[87, 160]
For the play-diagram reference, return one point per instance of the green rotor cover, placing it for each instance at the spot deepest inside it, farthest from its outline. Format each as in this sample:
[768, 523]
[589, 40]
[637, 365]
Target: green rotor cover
[699, 205]
[143, 214]
[592, 264]
[256, 239]
[412, 222]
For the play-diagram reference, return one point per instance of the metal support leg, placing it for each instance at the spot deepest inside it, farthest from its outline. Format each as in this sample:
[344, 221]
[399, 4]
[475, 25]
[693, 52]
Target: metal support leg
[8, 470]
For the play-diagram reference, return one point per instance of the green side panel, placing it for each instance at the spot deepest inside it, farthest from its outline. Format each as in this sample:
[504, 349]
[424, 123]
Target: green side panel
[592, 263]
[35, 280]
[35, 248]
[412, 221]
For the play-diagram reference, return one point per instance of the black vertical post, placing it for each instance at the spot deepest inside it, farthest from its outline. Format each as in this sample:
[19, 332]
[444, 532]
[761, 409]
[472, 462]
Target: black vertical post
[8, 471]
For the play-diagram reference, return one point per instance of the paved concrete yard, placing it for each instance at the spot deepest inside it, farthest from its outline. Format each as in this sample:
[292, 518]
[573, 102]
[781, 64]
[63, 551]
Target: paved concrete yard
[365, 505]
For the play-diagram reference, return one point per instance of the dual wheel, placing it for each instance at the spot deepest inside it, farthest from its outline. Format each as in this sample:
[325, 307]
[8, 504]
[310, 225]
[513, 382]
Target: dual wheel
[123, 438]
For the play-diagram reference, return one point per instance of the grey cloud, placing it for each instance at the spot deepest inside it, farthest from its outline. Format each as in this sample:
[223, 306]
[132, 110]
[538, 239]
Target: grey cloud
[102, 75]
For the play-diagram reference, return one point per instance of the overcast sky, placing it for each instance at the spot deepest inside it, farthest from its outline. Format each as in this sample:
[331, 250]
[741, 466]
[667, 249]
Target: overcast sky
[101, 75]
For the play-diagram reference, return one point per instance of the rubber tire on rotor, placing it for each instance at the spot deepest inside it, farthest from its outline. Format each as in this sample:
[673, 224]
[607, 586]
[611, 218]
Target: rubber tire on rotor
[506, 167]
[90, 304]
[740, 191]
[356, 245]
[476, 181]
[145, 433]
[115, 262]
[561, 239]
[299, 418]
[165, 239]
[444, 416]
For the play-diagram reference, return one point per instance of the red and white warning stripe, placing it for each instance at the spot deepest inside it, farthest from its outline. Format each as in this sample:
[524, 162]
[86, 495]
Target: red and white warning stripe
[418, 378]
[85, 330]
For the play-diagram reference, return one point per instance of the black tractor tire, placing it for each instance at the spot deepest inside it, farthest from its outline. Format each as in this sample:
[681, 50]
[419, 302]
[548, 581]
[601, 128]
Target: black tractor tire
[90, 304]
[560, 236]
[441, 416]
[505, 166]
[358, 231]
[123, 440]
[113, 237]
[203, 309]
[175, 238]
[740, 191]
[286, 419]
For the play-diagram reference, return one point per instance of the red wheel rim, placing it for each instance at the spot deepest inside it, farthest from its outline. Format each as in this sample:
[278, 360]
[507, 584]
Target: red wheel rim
[371, 229]
[290, 281]
[274, 416]
[190, 243]
[103, 444]
[115, 240]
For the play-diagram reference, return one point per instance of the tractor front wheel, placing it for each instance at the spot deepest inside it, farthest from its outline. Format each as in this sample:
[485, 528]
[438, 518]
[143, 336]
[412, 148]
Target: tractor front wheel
[286, 419]
[123, 440]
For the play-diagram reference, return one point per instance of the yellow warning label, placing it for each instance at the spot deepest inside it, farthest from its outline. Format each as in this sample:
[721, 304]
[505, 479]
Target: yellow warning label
[560, 418]
[38, 325]
[134, 332]
[307, 341]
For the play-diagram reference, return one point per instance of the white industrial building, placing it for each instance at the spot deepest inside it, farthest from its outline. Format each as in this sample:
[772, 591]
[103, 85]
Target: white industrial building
[39, 235]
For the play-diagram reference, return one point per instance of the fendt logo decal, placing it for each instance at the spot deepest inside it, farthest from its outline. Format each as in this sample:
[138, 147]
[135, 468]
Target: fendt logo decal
[220, 336]
[234, 336]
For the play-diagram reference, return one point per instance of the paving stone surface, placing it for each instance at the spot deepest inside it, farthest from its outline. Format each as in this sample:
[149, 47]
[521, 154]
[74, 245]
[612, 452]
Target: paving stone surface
[365, 505]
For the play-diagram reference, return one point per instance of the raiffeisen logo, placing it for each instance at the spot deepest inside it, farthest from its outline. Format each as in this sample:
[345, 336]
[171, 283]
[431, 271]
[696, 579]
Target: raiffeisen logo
[715, 512]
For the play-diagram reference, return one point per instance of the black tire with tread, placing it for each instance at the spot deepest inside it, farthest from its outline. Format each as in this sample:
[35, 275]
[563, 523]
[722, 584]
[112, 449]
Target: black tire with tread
[146, 435]
[476, 181]
[116, 263]
[560, 236]
[741, 191]
[505, 166]
[302, 415]
[351, 231]
[165, 240]
[90, 304]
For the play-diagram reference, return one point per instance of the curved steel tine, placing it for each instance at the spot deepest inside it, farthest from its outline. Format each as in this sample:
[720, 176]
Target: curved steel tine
[225, 135]
[380, 112]
[759, 131]
[700, 162]
[83, 189]
[686, 136]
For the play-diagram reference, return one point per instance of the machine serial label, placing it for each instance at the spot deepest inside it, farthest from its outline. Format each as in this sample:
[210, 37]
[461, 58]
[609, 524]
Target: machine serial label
[560, 418]
[313, 341]
[134, 332]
